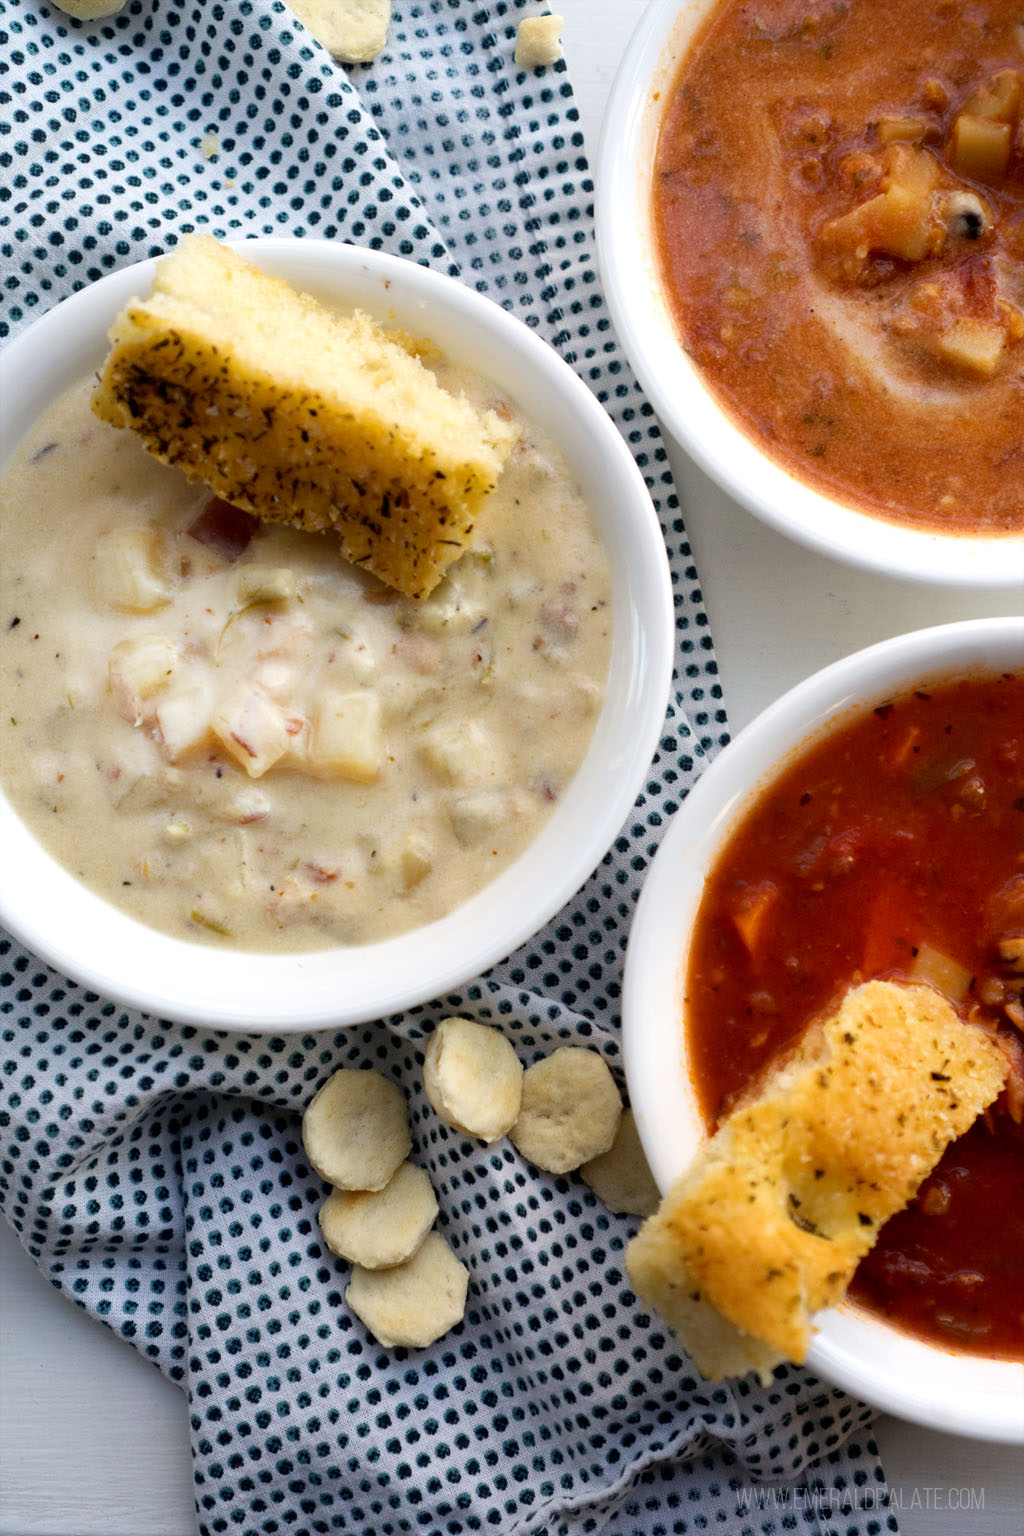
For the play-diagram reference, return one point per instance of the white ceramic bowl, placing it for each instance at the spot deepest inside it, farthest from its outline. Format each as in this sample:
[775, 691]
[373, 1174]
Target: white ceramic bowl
[676, 389]
[81, 935]
[955, 1392]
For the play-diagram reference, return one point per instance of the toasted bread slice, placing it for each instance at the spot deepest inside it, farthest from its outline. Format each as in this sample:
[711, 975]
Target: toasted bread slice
[770, 1223]
[302, 416]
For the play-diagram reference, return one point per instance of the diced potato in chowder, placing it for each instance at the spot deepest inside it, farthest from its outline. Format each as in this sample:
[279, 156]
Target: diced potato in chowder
[477, 816]
[348, 737]
[982, 137]
[265, 584]
[416, 857]
[981, 147]
[138, 669]
[459, 603]
[902, 220]
[256, 731]
[977, 345]
[183, 717]
[909, 129]
[458, 752]
[999, 99]
[132, 568]
[133, 774]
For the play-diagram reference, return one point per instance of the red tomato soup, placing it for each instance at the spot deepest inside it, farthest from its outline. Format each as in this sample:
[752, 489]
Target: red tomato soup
[838, 206]
[893, 849]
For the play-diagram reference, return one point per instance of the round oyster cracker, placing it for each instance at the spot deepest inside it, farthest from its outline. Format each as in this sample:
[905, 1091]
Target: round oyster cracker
[383, 1227]
[570, 1110]
[620, 1177]
[473, 1078]
[356, 1130]
[414, 1303]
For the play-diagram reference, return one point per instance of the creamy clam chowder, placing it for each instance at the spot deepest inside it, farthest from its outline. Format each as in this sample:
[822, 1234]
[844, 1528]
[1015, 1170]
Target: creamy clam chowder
[236, 736]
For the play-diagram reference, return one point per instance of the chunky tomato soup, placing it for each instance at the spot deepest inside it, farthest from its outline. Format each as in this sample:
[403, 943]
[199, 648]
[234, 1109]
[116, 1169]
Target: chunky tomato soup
[893, 849]
[839, 212]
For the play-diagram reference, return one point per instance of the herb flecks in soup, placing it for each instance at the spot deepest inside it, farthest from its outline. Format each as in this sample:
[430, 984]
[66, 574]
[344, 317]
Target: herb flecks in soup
[894, 849]
[236, 735]
[839, 208]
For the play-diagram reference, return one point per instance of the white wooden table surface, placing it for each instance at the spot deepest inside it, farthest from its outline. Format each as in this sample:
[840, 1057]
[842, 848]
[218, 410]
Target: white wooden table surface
[93, 1440]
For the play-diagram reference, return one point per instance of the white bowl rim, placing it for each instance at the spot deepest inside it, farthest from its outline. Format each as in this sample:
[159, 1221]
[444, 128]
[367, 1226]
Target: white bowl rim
[79, 934]
[956, 1393]
[676, 389]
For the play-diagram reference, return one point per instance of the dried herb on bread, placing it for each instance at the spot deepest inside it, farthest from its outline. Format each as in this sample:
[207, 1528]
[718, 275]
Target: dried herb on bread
[300, 415]
[768, 1226]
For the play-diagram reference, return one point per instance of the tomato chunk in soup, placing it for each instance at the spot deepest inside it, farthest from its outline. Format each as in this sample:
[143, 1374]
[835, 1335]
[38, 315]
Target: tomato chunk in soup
[895, 849]
[839, 211]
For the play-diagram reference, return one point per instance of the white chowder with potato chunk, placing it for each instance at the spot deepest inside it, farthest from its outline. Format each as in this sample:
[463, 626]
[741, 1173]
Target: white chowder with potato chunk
[235, 735]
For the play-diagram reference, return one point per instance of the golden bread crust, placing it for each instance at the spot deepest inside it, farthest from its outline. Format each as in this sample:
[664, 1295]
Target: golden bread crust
[769, 1225]
[302, 416]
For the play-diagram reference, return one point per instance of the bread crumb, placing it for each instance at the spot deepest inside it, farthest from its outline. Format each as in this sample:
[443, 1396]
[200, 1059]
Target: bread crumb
[539, 41]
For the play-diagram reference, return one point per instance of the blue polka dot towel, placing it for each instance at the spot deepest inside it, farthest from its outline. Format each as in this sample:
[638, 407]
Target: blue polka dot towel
[155, 1172]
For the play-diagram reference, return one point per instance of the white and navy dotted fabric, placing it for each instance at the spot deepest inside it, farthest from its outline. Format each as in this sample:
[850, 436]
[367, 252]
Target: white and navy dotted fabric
[155, 1172]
